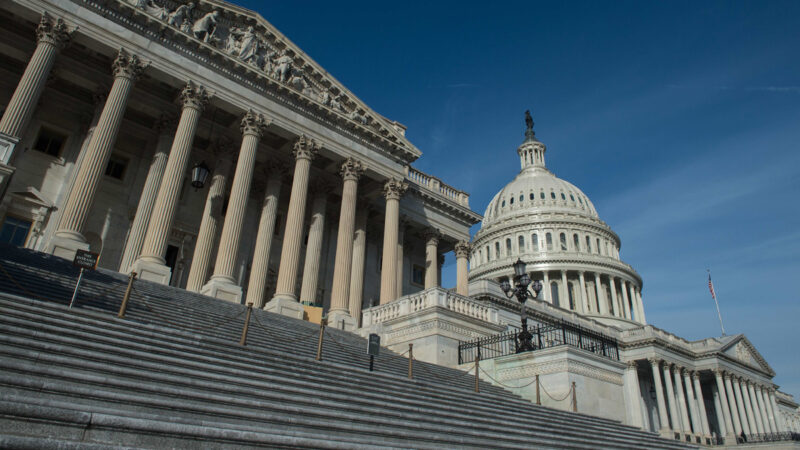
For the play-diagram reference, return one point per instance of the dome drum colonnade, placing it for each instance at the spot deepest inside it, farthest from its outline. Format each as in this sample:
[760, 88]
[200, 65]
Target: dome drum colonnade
[155, 214]
[553, 227]
[741, 405]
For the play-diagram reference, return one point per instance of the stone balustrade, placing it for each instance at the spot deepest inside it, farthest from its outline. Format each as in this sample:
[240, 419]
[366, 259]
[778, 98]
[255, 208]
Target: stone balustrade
[436, 186]
[430, 298]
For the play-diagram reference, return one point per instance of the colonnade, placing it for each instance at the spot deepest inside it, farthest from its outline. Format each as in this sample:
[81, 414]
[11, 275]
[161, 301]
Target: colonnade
[741, 405]
[589, 294]
[146, 245]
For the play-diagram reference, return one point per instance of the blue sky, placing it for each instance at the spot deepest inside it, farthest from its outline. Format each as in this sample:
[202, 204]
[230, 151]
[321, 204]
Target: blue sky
[680, 120]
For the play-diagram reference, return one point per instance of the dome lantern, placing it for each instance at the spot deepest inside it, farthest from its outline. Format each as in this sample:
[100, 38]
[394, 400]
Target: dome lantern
[531, 152]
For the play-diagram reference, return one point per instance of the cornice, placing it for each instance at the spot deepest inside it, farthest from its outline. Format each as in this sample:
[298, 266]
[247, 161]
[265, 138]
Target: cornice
[505, 266]
[445, 204]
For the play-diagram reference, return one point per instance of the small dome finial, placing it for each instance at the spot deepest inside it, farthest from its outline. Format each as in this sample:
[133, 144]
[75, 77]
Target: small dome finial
[529, 134]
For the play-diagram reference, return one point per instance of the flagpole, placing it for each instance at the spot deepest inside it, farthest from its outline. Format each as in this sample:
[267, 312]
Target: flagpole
[714, 296]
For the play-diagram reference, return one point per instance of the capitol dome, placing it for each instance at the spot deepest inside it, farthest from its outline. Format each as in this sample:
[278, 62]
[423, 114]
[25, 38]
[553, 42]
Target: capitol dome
[554, 228]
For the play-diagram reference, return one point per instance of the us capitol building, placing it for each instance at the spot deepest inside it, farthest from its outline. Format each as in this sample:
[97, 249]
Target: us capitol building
[194, 144]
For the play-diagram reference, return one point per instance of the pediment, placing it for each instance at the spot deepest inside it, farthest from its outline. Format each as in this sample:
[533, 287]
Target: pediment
[742, 350]
[32, 196]
[251, 44]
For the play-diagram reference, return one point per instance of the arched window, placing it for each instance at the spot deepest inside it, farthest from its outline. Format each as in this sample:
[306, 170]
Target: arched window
[588, 245]
[599, 247]
[521, 197]
[554, 293]
[504, 203]
[486, 255]
[572, 197]
[571, 292]
[580, 201]
[497, 250]
[552, 195]
[563, 239]
[535, 242]
[549, 238]
[577, 242]
[521, 243]
[533, 196]
[512, 200]
[563, 197]
[541, 195]
[508, 246]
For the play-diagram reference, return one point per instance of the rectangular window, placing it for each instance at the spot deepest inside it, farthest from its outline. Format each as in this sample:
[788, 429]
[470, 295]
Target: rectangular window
[15, 231]
[50, 141]
[116, 167]
[418, 275]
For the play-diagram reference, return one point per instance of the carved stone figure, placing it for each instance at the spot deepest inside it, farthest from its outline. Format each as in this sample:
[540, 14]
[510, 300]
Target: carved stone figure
[186, 26]
[248, 44]
[141, 4]
[204, 28]
[181, 13]
[297, 81]
[283, 68]
[155, 10]
[358, 117]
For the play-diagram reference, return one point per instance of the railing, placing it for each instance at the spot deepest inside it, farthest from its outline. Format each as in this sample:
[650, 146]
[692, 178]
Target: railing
[768, 437]
[545, 335]
[430, 298]
[434, 184]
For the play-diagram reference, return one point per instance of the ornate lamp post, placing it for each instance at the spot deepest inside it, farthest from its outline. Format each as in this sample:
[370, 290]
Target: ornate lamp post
[521, 290]
[199, 174]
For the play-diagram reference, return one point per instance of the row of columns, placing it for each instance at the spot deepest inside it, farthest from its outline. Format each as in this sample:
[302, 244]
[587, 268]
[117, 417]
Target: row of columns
[747, 406]
[631, 295]
[684, 398]
[145, 248]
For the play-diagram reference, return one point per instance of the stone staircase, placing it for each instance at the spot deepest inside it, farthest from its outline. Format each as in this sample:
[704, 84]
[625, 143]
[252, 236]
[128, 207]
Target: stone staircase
[172, 374]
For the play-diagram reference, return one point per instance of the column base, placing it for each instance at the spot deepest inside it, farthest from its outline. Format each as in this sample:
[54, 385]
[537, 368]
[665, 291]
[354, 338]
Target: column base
[342, 320]
[7, 146]
[65, 244]
[223, 288]
[285, 306]
[156, 272]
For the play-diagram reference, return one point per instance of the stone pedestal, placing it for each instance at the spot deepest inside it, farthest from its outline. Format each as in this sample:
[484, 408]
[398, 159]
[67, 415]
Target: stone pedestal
[223, 289]
[66, 243]
[286, 306]
[152, 271]
[342, 320]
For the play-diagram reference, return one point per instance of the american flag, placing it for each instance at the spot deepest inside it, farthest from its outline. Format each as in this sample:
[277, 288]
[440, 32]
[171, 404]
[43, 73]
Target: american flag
[711, 288]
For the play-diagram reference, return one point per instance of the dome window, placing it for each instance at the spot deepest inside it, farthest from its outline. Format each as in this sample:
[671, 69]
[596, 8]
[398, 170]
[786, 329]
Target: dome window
[521, 197]
[577, 242]
[588, 245]
[541, 195]
[572, 197]
[521, 244]
[504, 203]
[580, 201]
[512, 200]
[549, 238]
[497, 250]
[508, 246]
[563, 197]
[533, 196]
[552, 195]
[535, 242]
[563, 239]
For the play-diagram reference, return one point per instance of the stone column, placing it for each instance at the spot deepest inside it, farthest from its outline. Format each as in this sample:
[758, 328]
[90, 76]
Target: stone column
[639, 303]
[285, 300]
[548, 291]
[151, 264]
[671, 400]
[723, 431]
[584, 296]
[222, 284]
[748, 385]
[764, 392]
[776, 412]
[734, 407]
[565, 290]
[748, 407]
[724, 412]
[679, 393]
[701, 405]
[165, 126]
[462, 250]
[742, 409]
[401, 235]
[762, 408]
[659, 388]
[614, 301]
[431, 258]
[626, 308]
[339, 313]
[601, 298]
[308, 287]
[694, 412]
[359, 254]
[392, 191]
[68, 237]
[209, 222]
[632, 395]
[273, 173]
[51, 36]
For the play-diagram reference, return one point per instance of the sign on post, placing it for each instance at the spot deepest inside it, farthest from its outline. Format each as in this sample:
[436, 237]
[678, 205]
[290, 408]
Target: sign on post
[373, 348]
[85, 260]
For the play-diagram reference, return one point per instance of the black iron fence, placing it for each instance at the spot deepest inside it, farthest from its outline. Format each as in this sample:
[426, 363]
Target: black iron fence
[768, 437]
[545, 335]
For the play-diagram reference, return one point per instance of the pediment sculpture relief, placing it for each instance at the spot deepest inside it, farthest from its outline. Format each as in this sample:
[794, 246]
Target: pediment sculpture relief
[249, 45]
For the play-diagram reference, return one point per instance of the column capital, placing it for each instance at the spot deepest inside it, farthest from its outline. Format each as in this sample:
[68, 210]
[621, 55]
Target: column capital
[254, 123]
[194, 96]
[695, 375]
[431, 236]
[394, 189]
[53, 31]
[462, 249]
[305, 148]
[676, 369]
[632, 364]
[351, 169]
[128, 66]
[717, 372]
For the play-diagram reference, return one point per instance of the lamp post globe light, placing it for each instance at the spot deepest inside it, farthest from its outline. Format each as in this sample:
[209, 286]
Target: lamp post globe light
[199, 174]
[522, 289]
